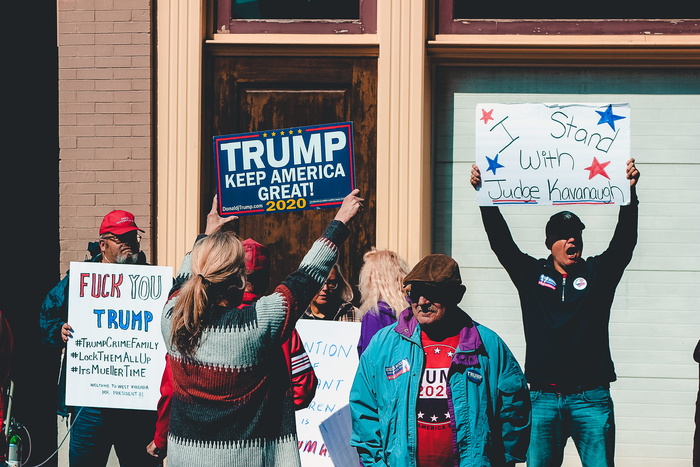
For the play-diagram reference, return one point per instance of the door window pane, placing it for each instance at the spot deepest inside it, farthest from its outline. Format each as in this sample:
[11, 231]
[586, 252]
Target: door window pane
[295, 9]
[592, 9]
[555, 17]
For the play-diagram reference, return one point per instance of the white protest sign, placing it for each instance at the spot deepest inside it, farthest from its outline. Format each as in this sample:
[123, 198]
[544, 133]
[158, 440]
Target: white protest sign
[116, 356]
[553, 154]
[324, 428]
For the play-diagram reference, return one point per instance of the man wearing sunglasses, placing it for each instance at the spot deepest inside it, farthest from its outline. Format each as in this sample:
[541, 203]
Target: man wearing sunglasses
[438, 388]
[95, 430]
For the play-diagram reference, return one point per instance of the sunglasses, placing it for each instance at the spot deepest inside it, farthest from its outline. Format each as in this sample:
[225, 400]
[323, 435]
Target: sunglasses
[445, 293]
[123, 239]
[430, 293]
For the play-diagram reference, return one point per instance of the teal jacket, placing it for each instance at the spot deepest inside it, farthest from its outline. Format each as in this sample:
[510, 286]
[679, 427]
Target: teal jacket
[488, 398]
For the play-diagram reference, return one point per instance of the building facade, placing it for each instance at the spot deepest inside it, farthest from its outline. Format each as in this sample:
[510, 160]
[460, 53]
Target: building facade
[144, 86]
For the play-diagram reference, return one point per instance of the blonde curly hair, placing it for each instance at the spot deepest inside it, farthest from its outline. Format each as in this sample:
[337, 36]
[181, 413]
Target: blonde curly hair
[381, 278]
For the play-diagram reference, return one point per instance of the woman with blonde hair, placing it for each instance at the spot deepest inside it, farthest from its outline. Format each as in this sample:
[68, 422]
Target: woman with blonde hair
[381, 290]
[231, 403]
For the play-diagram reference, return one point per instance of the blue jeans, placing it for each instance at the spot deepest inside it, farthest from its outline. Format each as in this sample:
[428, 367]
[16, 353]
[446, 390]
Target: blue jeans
[587, 417]
[96, 430]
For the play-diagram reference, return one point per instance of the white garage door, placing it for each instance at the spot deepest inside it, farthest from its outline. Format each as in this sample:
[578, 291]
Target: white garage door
[655, 322]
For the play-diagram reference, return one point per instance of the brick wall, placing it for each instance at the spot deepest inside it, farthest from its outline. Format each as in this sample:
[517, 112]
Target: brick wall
[105, 116]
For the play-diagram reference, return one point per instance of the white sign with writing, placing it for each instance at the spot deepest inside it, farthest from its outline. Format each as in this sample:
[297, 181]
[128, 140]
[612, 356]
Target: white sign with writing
[324, 427]
[553, 154]
[116, 356]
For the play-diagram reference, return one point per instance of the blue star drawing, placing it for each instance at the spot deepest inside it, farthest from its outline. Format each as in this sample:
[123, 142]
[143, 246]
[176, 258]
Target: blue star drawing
[493, 164]
[608, 117]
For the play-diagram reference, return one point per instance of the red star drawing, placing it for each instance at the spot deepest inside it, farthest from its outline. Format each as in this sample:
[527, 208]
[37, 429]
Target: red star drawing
[597, 168]
[486, 116]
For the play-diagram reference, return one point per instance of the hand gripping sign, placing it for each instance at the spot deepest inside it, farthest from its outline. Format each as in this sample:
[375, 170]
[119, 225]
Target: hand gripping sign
[553, 154]
[290, 169]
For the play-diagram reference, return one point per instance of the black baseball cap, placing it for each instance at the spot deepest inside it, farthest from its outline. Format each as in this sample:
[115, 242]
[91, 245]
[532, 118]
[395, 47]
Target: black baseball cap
[564, 224]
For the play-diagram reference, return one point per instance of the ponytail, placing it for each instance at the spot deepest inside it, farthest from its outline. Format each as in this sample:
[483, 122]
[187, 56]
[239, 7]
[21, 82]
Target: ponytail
[218, 274]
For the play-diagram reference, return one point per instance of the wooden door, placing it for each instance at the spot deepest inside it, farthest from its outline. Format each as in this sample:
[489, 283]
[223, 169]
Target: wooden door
[261, 93]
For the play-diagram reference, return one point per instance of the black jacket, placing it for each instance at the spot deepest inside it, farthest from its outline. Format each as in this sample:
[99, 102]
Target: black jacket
[566, 318]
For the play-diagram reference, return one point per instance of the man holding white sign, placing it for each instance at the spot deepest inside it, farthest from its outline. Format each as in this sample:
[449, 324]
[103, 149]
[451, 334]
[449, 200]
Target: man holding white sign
[566, 302]
[95, 429]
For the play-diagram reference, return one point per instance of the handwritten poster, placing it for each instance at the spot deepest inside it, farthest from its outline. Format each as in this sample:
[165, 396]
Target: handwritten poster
[553, 154]
[116, 356]
[290, 169]
[324, 427]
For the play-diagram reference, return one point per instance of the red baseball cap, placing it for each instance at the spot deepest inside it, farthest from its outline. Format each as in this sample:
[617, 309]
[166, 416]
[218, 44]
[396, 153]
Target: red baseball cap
[118, 223]
[257, 264]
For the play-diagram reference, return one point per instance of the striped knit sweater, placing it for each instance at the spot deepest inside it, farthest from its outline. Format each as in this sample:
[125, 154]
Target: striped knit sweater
[231, 403]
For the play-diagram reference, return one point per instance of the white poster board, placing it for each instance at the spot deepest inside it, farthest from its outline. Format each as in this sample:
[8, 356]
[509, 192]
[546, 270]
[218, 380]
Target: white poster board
[116, 357]
[324, 428]
[553, 154]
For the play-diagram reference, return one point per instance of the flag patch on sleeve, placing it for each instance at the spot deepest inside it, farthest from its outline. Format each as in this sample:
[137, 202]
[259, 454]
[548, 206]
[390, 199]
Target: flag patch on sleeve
[300, 364]
[546, 281]
[396, 370]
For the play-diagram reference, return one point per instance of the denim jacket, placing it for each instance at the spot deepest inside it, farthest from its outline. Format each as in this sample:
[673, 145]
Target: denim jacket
[487, 398]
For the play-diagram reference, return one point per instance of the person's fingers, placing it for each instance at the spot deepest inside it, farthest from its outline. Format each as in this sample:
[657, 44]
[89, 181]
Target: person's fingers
[351, 205]
[475, 178]
[214, 211]
[66, 332]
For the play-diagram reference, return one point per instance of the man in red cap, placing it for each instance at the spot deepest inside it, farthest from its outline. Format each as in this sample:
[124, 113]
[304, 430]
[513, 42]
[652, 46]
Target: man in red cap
[95, 430]
[119, 238]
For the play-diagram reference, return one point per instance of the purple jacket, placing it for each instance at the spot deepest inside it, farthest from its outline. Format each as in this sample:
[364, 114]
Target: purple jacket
[373, 321]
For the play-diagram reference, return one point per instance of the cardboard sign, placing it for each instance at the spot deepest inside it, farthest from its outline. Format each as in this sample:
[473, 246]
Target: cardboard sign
[553, 154]
[284, 170]
[324, 428]
[117, 355]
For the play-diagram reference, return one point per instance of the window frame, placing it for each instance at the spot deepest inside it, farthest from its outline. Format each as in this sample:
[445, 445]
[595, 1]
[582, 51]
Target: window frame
[446, 24]
[366, 24]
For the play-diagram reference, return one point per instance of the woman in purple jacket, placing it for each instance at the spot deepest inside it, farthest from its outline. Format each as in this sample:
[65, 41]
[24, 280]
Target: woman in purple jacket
[381, 290]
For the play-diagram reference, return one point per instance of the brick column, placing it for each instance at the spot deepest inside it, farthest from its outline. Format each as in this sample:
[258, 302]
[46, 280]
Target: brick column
[105, 118]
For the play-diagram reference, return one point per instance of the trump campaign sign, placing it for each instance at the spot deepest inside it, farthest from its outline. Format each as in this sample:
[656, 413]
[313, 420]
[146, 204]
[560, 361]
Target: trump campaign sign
[290, 169]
